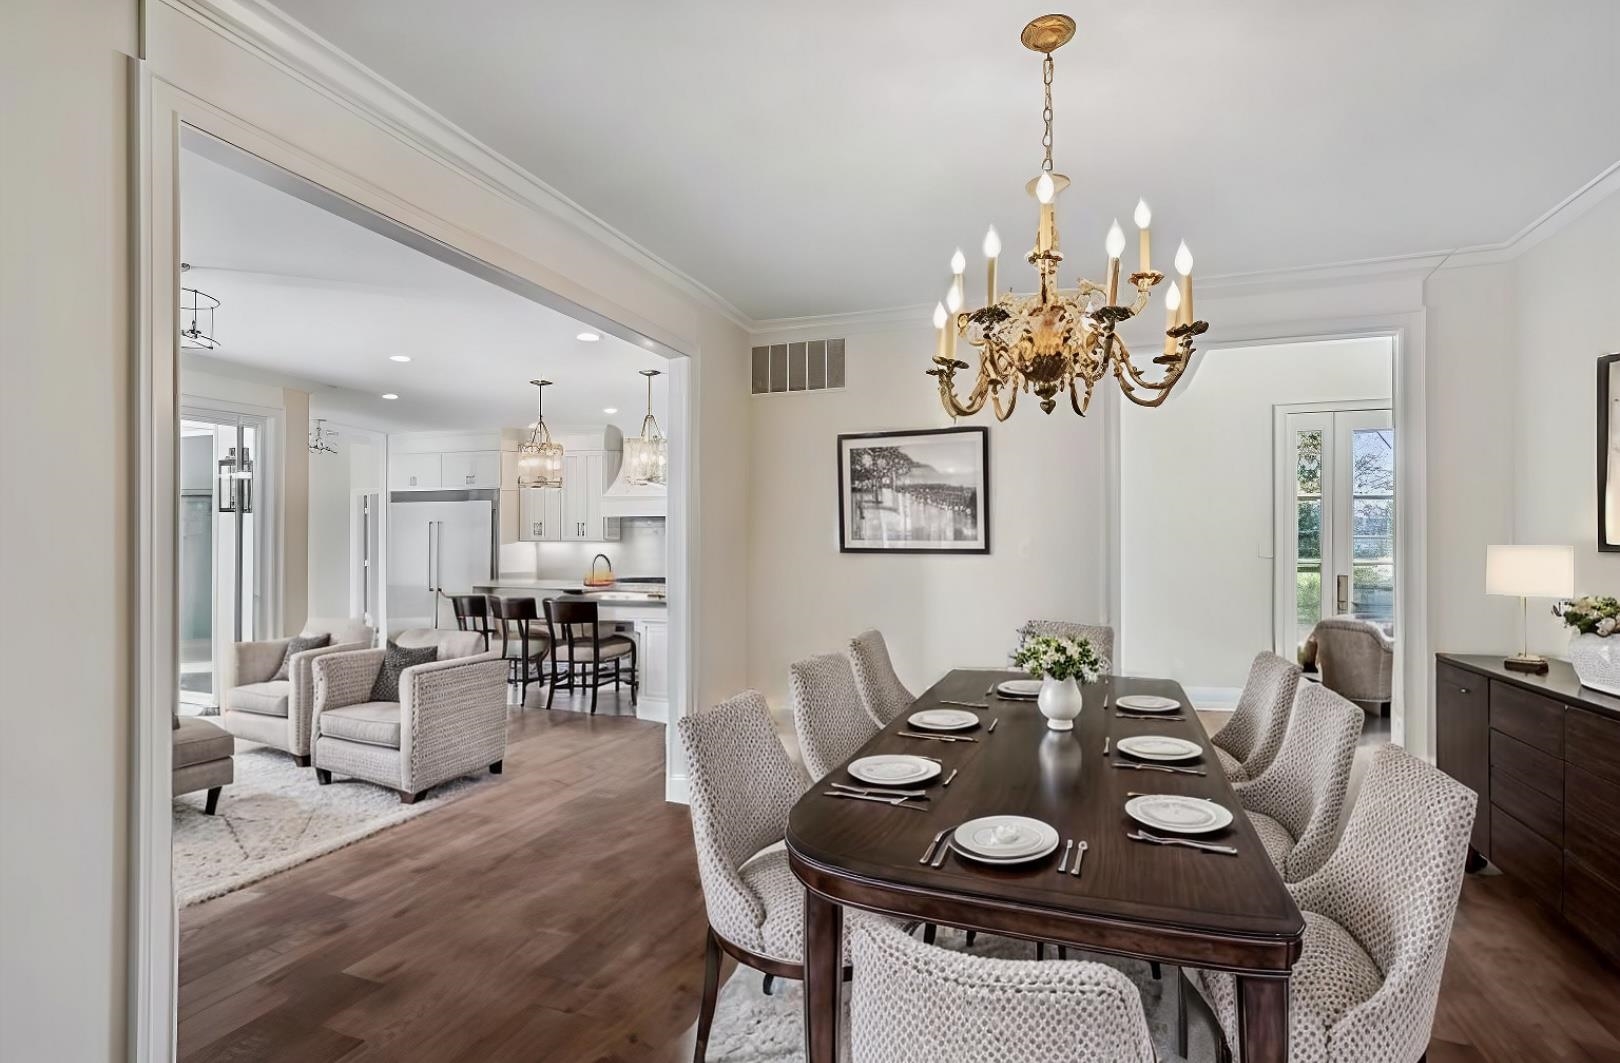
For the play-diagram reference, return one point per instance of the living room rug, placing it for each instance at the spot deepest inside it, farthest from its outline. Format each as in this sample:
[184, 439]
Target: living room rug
[750, 1027]
[275, 816]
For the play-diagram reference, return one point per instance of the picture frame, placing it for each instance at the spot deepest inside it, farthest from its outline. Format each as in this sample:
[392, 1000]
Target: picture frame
[1608, 453]
[914, 492]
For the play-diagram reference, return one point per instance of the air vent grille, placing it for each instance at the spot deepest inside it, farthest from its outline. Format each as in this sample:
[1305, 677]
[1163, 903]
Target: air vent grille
[807, 365]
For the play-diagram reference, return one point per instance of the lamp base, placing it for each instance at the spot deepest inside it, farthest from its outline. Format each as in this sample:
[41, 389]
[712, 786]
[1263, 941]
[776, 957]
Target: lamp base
[1529, 664]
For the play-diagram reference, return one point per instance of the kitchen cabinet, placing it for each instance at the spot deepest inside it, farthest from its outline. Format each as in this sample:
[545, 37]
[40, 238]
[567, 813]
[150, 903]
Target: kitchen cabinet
[652, 657]
[413, 472]
[540, 515]
[572, 513]
[470, 470]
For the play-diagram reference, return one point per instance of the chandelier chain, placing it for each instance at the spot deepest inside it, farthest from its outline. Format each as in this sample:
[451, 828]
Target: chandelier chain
[1046, 113]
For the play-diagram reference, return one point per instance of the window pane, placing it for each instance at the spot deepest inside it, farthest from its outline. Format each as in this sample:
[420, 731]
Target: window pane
[1374, 591]
[1307, 598]
[1309, 445]
[1308, 538]
[1373, 454]
[1373, 529]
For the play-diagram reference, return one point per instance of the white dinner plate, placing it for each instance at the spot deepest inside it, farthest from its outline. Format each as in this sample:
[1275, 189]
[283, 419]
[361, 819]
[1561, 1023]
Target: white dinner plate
[943, 720]
[894, 769]
[1159, 747]
[1019, 688]
[1147, 703]
[1005, 839]
[1178, 814]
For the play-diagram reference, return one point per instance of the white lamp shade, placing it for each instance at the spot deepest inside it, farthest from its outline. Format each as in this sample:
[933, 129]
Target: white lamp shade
[1530, 571]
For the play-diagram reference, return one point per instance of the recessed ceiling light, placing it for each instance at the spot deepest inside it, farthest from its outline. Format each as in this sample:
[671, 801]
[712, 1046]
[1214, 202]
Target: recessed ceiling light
[610, 409]
[389, 395]
[399, 357]
[587, 337]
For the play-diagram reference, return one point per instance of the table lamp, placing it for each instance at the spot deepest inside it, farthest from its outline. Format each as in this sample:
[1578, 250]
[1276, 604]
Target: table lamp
[1526, 572]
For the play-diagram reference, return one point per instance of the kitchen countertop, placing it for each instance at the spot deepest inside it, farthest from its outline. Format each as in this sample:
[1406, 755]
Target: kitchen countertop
[631, 594]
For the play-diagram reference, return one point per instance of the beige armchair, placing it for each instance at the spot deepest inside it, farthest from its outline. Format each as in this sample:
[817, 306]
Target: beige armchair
[450, 718]
[1356, 659]
[276, 712]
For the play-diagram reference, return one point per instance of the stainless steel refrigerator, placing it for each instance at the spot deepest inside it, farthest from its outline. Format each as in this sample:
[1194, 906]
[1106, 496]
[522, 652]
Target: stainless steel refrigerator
[439, 544]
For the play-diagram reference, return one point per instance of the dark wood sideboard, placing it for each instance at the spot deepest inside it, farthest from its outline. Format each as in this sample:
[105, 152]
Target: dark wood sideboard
[1543, 753]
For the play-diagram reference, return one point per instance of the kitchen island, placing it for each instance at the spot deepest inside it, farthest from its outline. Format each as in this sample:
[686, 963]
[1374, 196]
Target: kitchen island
[639, 608]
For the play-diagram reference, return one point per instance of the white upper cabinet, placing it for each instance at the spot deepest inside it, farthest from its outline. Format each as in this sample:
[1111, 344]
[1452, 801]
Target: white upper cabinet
[540, 515]
[414, 472]
[573, 513]
[470, 470]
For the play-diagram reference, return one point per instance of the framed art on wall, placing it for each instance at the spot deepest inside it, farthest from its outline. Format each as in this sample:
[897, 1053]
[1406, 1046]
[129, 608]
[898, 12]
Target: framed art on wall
[1608, 453]
[924, 492]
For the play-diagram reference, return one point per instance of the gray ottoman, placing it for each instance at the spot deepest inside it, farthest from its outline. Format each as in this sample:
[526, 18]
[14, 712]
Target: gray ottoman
[202, 758]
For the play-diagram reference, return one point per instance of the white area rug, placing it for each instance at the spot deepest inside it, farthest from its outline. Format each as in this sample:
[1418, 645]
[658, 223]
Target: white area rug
[750, 1027]
[275, 816]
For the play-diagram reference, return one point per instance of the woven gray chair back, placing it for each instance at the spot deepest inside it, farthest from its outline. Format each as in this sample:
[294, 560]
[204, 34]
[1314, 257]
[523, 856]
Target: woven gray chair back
[1393, 884]
[827, 711]
[1100, 635]
[914, 1003]
[1356, 658]
[1304, 787]
[451, 643]
[1255, 732]
[883, 696]
[741, 784]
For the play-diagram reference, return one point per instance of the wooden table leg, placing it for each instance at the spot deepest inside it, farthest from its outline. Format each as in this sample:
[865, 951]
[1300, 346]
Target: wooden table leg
[823, 935]
[1263, 1019]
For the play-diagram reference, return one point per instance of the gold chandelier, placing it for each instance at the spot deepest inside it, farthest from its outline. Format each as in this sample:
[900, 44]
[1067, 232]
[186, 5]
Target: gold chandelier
[540, 461]
[646, 457]
[1055, 341]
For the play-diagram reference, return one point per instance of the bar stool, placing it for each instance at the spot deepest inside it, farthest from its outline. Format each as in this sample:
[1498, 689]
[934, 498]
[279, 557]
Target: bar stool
[523, 644]
[472, 614]
[573, 626]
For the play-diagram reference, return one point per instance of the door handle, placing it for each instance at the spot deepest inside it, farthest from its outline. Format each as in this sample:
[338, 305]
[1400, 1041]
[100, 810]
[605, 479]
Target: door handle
[534, 525]
[430, 555]
[413, 481]
[470, 479]
[1343, 584]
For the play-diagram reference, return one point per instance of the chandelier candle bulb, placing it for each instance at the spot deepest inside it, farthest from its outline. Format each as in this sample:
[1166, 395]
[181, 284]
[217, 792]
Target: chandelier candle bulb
[1143, 218]
[939, 323]
[1114, 245]
[992, 251]
[1184, 265]
[1172, 318]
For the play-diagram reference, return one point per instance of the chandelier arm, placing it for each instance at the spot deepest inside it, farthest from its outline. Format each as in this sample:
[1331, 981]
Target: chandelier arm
[1122, 359]
[946, 372]
[1012, 402]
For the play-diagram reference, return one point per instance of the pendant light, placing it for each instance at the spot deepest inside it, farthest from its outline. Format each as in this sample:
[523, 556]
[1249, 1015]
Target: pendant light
[646, 457]
[196, 317]
[540, 461]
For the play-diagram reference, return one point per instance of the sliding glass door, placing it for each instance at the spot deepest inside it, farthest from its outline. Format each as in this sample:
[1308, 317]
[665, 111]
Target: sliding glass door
[1335, 553]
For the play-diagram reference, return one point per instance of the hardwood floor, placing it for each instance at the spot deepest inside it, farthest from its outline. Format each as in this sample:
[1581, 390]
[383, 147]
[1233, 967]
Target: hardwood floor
[557, 916]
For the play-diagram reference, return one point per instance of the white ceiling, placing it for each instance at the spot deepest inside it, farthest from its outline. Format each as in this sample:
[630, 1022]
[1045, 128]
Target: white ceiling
[310, 299]
[824, 158]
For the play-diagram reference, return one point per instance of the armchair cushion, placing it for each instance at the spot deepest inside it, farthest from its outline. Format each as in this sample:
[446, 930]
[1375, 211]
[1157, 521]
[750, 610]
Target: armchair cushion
[256, 662]
[396, 659]
[197, 741]
[298, 644]
[266, 699]
[376, 723]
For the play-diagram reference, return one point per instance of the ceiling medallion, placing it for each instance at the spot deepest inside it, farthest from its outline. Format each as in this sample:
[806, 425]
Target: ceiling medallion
[1056, 341]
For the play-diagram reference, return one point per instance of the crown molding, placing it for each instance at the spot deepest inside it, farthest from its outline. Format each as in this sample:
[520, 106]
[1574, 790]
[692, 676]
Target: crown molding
[291, 46]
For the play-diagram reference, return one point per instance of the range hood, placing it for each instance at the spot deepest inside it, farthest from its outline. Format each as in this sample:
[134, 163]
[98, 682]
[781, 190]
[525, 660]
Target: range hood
[625, 499]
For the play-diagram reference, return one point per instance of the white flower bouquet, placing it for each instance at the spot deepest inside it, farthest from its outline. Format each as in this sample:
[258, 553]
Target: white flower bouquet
[1057, 657]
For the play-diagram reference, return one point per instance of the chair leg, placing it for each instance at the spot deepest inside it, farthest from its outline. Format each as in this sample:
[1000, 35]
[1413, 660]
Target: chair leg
[406, 797]
[930, 931]
[711, 990]
[1158, 973]
[596, 684]
[1063, 952]
[971, 935]
[301, 761]
[1181, 1015]
[635, 674]
[322, 776]
[770, 982]
[1040, 950]
[495, 768]
[213, 800]
[551, 688]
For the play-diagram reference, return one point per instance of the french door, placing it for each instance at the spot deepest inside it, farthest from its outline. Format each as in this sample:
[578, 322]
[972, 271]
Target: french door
[1335, 508]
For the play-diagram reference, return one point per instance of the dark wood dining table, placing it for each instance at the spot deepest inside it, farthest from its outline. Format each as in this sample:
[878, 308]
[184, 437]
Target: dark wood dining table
[1171, 904]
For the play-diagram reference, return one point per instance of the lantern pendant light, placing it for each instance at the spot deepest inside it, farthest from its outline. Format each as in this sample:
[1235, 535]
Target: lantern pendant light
[540, 461]
[646, 457]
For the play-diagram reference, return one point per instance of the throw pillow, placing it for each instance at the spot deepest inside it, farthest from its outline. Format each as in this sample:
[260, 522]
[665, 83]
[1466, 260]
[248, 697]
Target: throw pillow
[396, 660]
[298, 644]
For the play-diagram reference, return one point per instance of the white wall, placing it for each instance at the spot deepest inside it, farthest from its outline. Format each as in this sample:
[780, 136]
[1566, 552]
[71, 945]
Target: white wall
[1568, 294]
[334, 481]
[1196, 496]
[804, 597]
[65, 534]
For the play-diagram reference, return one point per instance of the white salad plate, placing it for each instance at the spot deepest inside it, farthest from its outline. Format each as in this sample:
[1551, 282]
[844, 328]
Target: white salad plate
[1019, 688]
[1004, 839]
[1159, 747]
[894, 769]
[943, 720]
[1147, 703]
[1178, 814]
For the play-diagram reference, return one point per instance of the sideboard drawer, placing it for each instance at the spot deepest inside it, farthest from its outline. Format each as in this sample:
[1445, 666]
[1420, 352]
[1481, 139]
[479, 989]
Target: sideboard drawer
[1592, 821]
[1462, 712]
[1528, 717]
[1527, 856]
[1593, 742]
[1531, 807]
[1590, 904]
[1538, 770]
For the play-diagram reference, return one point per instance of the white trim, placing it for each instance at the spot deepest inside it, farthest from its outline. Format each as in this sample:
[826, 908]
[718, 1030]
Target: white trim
[292, 47]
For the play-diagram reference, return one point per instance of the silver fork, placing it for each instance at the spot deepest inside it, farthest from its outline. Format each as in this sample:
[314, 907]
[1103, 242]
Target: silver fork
[1207, 847]
[1063, 864]
[881, 791]
[928, 853]
[944, 850]
[1158, 767]
[899, 802]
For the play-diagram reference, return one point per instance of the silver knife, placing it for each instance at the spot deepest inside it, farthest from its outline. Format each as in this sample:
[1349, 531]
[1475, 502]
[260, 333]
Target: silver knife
[1158, 767]
[965, 704]
[928, 853]
[1208, 847]
[935, 738]
[1063, 864]
[898, 802]
[881, 791]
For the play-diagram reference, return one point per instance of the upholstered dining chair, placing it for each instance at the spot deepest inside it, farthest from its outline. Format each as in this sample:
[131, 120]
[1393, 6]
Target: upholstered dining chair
[1249, 741]
[1296, 802]
[883, 696]
[742, 785]
[524, 642]
[1101, 636]
[275, 685]
[827, 712]
[1378, 916]
[1356, 659]
[437, 720]
[913, 1003]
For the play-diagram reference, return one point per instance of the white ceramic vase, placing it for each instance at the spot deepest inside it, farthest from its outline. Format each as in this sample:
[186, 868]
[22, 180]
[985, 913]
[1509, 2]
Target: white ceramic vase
[1060, 702]
[1596, 660]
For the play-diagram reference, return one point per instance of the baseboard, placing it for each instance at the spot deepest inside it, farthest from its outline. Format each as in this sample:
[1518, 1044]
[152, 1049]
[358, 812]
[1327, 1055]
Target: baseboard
[675, 790]
[653, 709]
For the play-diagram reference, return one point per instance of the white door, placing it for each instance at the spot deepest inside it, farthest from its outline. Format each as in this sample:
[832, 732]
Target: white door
[1335, 520]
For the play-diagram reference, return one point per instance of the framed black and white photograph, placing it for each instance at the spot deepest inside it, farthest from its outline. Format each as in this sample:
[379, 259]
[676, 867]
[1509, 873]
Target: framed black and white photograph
[1608, 453]
[924, 492]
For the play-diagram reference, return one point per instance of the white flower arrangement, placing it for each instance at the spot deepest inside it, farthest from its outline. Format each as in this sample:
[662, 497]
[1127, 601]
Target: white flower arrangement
[1590, 616]
[1058, 657]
